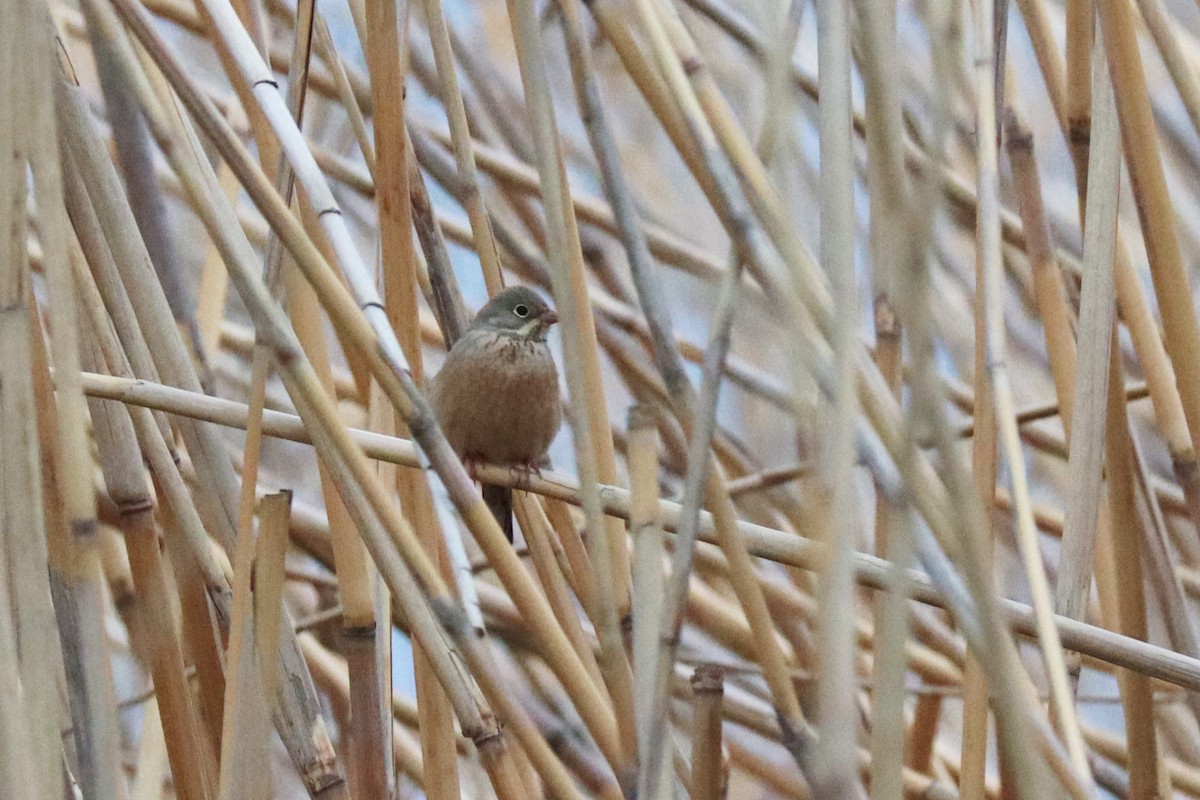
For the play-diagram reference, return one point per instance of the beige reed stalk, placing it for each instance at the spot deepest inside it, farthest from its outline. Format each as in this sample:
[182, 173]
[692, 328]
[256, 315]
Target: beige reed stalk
[29, 743]
[66, 477]
[837, 728]
[387, 53]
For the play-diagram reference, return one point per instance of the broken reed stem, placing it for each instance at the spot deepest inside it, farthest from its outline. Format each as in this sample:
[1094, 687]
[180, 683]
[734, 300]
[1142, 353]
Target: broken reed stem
[893, 542]
[709, 771]
[649, 554]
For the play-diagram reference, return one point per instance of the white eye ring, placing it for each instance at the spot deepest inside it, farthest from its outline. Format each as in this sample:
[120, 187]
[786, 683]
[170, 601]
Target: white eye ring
[521, 311]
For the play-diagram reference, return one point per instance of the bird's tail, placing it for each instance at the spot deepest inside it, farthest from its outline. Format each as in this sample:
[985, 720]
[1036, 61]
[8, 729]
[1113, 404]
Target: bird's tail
[499, 500]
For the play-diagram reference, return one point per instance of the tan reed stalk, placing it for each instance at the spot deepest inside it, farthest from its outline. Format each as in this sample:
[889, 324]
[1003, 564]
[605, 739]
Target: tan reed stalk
[214, 280]
[1075, 105]
[447, 302]
[28, 665]
[837, 729]
[369, 737]
[1131, 606]
[1096, 313]
[1180, 328]
[387, 56]
[77, 578]
[244, 739]
[485, 243]
[67, 478]
[332, 674]
[268, 581]
[593, 447]
[649, 553]
[709, 771]
[992, 309]
[761, 541]
[1047, 276]
[893, 541]
[202, 641]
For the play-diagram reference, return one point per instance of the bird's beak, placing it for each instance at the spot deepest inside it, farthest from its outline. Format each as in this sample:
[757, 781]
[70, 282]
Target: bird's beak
[549, 318]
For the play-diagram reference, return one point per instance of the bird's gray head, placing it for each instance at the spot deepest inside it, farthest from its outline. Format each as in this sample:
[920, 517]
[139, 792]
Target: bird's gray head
[517, 311]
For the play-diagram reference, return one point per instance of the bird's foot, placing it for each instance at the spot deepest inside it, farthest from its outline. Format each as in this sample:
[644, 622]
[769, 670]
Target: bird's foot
[471, 462]
[522, 473]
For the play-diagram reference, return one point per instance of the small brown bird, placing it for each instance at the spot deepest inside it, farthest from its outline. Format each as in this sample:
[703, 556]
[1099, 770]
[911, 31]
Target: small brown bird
[496, 396]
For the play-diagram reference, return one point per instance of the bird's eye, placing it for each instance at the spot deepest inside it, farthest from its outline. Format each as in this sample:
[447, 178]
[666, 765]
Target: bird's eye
[521, 311]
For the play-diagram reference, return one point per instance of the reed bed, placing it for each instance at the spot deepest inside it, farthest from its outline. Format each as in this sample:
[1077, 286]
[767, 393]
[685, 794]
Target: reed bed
[879, 353]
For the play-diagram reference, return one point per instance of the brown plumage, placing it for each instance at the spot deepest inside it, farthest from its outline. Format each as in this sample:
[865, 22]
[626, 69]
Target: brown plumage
[496, 396]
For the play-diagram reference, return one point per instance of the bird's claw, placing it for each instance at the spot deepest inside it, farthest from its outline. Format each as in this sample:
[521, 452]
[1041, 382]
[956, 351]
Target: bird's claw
[471, 464]
[522, 474]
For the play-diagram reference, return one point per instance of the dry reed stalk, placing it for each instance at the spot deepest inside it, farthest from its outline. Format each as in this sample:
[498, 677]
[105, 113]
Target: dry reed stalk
[246, 715]
[649, 554]
[369, 739]
[1131, 606]
[28, 738]
[538, 539]
[835, 776]
[72, 546]
[709, 771]
[893, 541]
[387, 57]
